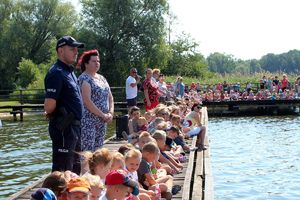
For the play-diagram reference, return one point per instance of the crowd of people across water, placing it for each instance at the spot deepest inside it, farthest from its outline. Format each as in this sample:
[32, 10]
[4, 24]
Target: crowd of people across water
[265, 89]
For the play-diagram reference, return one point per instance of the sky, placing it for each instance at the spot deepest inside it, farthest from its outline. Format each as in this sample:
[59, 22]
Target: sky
[246, 29]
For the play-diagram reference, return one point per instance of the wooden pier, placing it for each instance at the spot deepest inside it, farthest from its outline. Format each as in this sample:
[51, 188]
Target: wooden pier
[252, 107]
[196, 178]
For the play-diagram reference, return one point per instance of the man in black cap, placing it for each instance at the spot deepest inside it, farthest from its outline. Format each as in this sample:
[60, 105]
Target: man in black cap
[63, 105]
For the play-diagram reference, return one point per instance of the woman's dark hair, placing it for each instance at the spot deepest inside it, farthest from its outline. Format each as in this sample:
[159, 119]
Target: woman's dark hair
[196, 105]
[133, 109]
[85, 58]
[56, 182]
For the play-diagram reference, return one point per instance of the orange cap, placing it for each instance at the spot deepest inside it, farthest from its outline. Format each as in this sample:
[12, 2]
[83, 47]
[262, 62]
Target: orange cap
[78, 185]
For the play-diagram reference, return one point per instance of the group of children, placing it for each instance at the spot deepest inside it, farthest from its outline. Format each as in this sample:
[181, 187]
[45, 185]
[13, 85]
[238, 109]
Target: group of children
[143, 168]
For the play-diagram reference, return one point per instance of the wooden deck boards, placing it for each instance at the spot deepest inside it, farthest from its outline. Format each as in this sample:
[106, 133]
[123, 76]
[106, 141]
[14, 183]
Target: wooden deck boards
[195, 170]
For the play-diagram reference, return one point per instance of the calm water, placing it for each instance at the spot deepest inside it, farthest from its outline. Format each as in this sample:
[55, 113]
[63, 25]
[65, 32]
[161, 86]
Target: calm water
[25, 153]
[252, 158]
[255, 157]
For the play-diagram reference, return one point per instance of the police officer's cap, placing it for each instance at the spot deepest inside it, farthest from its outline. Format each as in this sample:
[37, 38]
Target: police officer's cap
[68, 40]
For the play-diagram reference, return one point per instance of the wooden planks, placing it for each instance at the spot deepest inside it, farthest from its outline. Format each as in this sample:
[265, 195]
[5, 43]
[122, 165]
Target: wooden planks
[189, 174]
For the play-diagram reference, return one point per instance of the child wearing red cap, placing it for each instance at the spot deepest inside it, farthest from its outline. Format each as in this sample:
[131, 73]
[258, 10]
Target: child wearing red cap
[119, 186]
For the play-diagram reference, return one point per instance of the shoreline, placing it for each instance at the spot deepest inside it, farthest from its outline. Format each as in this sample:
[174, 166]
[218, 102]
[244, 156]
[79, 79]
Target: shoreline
[7, 115]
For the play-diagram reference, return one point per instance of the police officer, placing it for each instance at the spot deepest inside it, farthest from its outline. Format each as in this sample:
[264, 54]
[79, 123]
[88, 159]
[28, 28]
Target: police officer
[63, 105]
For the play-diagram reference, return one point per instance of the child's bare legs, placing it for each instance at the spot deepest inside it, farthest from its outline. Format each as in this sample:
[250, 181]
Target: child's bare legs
[167, 180]
[168, 169]
[142, 196]
[201, 137]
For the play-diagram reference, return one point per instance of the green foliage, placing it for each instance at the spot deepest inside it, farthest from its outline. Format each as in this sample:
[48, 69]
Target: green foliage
[221, 63]
[185, 60]
[286, 62]
[128, 33]
[28, 73]
[30, 29]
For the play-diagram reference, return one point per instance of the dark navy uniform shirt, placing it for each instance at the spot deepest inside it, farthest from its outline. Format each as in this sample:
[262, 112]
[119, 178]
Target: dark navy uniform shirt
[61, 84]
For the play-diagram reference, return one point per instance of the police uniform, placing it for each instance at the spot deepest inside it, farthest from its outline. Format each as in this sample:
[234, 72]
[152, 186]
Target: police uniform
[61, 84]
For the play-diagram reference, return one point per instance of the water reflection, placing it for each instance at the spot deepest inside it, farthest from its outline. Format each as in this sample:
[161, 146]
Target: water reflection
[25, 153]
[255, 157]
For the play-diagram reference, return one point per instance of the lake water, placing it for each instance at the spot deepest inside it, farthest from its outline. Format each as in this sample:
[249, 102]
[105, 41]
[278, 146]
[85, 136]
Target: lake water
[252, 157]
[25, 153]
[255, 157]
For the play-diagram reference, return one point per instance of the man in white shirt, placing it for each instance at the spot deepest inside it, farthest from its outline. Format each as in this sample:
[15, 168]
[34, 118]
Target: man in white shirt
[131, 87]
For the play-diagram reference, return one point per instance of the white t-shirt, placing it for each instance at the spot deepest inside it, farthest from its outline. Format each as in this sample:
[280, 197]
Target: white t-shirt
[103, 196]
[163, 88]
[131, 92]
[133, 176]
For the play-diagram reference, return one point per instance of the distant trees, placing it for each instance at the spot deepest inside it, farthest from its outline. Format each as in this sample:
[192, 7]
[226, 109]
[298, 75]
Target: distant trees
[185, 59]
[221, 63]
[128, 33]
[286, 62]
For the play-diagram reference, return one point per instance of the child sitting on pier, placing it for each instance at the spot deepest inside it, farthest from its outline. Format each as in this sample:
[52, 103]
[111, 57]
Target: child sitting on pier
[119, 186]
[96, 186]
[118, 161]
[57, 182]
[98, 163]
[163, 185]
[78, 188]
[136, 125]
[164, 157]
[133, 159]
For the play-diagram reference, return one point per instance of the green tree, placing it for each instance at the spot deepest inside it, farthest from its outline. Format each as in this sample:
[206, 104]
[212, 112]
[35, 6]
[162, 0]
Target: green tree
[254, 66]
[28, 73]
[128, 33]
[221, 63]
[186, 60]
[31, 31]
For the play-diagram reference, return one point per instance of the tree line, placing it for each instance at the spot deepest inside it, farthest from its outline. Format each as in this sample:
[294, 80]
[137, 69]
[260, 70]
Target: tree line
[127, 33]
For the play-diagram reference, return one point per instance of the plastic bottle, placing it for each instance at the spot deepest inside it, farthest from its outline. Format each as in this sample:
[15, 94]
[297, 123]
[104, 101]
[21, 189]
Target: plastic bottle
[157, 191]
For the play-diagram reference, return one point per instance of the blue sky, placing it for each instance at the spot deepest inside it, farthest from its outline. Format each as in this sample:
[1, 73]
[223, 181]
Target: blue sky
[243, 28]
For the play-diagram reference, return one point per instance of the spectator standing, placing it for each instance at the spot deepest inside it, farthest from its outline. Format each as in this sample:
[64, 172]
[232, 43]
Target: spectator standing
[98, 102]
[297, 87]
[180, 87]
[151, 91]
[198, 87]
[64, 107]
[284, 82]
[163, 88]
[155, 75]
[131, 87]
[248, 87]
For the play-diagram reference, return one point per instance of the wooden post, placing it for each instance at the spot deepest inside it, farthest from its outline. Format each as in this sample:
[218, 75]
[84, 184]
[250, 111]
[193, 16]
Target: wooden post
[21, 96]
